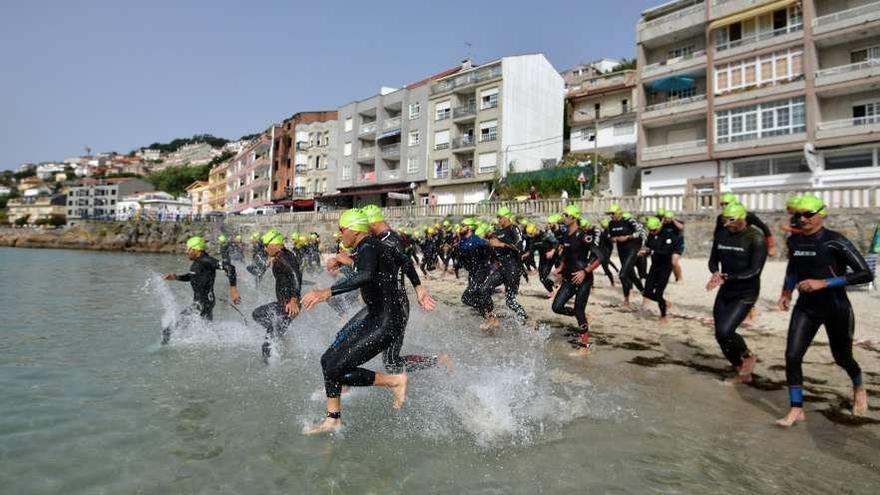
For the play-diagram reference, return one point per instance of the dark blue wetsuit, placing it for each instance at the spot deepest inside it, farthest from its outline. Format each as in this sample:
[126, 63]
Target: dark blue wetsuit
[661, 247]
[288, 284]
[201, 276]
[580, 252]
[508, 270]
[541, 243]
[627, 251]
[741, 257]
[373, 329]
[475, 256]
[825, 255]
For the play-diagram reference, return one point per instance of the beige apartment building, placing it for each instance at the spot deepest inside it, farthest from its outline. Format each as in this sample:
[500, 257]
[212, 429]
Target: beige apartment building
[747, 94]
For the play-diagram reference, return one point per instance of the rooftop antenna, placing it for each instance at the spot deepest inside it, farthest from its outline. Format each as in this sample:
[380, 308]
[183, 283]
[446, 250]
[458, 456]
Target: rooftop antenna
[470, 53]
[88, 151]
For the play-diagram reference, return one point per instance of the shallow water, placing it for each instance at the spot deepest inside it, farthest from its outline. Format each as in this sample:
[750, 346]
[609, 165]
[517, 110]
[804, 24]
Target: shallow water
[93, 404]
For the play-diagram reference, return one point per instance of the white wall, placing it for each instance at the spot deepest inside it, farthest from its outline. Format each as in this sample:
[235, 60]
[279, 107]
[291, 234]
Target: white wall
[532, 107]
[606, 137]
[465, 193]
[672, 179]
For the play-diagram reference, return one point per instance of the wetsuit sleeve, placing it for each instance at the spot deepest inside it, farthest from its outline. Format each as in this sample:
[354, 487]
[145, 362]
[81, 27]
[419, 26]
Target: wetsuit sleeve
[366, 262]
[790, 276]
[753, 219]
[719, 226]
[598, 254]
[846, 252]
[757, 257]
[409, 269]
[714, 259]
[229, 268]
[638, 230]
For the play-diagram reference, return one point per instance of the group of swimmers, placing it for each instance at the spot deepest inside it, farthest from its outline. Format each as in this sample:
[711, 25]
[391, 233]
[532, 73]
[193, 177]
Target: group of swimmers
[375, 260]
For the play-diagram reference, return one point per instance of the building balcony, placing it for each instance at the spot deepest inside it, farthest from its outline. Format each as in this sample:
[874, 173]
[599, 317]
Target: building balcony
[724, 8]
[673, 65]
[468, 112]
[462, 173]
[441, 146]
[750, 145]
[301, 168]
[758, 41]
[675, 150]
[584, 87]
[857, 16]
[391, 175]
[488, 138]
[751, 93]
[677, 20]
[464, 142]
[367, 177]
[868, 70]
[392, 123]
[858, 126]
[391, 151]
[465, 80]
[675, 107]
[302, 146]
[367, 129]
[366, 154]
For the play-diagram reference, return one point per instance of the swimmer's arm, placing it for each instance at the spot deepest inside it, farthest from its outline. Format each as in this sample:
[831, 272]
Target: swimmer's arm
[861, 273]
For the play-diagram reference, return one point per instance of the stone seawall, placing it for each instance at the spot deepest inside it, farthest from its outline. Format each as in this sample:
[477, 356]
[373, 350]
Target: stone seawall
[169, 237]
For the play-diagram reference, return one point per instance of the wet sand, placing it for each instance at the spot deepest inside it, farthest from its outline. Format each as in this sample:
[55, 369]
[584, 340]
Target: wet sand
[688, 340]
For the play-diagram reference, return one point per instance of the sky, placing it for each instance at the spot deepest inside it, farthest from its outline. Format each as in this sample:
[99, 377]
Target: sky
[118, 75]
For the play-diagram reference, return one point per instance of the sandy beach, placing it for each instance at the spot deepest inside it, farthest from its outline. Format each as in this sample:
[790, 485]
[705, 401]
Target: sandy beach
[688, 340]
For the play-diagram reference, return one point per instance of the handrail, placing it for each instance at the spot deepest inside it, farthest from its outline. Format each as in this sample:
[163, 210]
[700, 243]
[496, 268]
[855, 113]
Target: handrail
[675, 103]
[842, 69]
[673, 16]
[850, 122]
[847, 14]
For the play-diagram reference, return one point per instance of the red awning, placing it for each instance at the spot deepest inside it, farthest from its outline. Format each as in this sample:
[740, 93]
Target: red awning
[299, 204]
[363, 192]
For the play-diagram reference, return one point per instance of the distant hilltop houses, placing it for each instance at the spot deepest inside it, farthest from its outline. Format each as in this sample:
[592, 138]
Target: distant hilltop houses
[732, 95]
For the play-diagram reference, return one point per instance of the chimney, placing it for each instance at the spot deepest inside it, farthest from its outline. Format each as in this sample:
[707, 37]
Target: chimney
[466, 64]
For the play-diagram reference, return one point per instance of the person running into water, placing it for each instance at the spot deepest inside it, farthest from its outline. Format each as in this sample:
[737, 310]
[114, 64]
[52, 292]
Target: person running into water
[508, 270]
[627, 234]
[259, 258]
[276, 316]
[372, 330]
[737, 259]
[822, 263]
[580, 257]
[475, 256]
[225, 249]
[660, 246]
[201, 278]
[673, 228]
[544, 244]
[751, 219]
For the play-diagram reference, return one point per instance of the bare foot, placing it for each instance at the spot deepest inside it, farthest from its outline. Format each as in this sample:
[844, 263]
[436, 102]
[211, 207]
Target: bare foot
[397, 386]
[581, 352]
[626, 304]
[445, 360]
[490, 324]
[329, 425]
[860, 401]
[745, 372]
[795, 415]
[663, 321]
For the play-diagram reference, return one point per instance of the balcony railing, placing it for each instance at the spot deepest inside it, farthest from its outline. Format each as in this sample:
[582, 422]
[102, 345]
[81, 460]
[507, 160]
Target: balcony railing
[391, 150]
[758, 37]
[847, 123]
[467, 79]
[843, 69]
[463, 172]
[366, 153]
[844, 15]
[465, 111]
[392, 174]
[485, 138]
[463, 142]
[368, 128]
[441, 146]
[393, 123]
[368, 176]
[441, 173]
[678, 14]
[674, 147]
[674, 103]
[658, 66]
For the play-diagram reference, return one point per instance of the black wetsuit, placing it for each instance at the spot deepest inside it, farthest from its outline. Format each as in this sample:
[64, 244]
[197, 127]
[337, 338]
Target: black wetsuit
[393, 255]
[288, 284]
[226, 253]
[825, 255]
[201, 276]
[662, 247]
[373, 329]
[508, 269]
[475, 256]
[740, 258]
[344, 302]
[541, 243]
[429, 254]
[580, 252]
[259, 261]
[627, 251]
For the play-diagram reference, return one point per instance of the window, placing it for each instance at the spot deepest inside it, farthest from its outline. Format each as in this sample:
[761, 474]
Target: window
[751, 168]
[488, 131]
[441, 140]
[681, 52]
[441, 169]
[624, 129]
[865, 54]
[624, 106]
[849, 160]
[790, 165]
[442, 110]
[597, 108]
[349, 124]
[759, 121]
[414, 138]
[588, 134]
[866, 113]
[346, 171]
[412, 165]
[488, 98]
[346, 149]
[772, 68]
[488, 162]
[415, 110]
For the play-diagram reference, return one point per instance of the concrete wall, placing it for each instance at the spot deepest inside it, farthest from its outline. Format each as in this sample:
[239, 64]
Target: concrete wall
[673, 179]
[839, 55]
[840, 107]
[606, 138]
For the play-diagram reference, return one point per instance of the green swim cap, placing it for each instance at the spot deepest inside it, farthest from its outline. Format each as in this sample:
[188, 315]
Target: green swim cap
[653, 223]
[354, 219]
[614, 208]
[222, 239]
[238, 237]
[446, 223]
[735, 211]
[813, 204]
[792, 201]
[470, 222]
[661, 212]
[604, 223]
[303, 238]
[482, 230]
[272, 237]
[668, 214]
[313, 237]
[255, 236]
[196, 243]
[573, 211]
[373, 214]
[584, 222]
[728, 198]
[504, 212]
[294, 236]
[554, 218]
[627, 215]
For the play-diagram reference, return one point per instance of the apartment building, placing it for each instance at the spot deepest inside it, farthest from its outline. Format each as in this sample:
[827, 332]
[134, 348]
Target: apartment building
[575, 76]
[315, 143]
[745, 94]
[382, 149]
[287, 147]
[489, 120]
[249, 174]
[217, 186]
[97, 198]
[199, 193]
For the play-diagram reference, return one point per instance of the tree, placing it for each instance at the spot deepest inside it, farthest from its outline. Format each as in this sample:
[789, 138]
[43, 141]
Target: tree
[176, 144]
[174, 180]
[21, 221]
[625, 64]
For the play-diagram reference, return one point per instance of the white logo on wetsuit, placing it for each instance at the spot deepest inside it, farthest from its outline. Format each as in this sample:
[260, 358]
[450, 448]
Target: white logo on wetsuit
[804, 253]
[730, 248]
